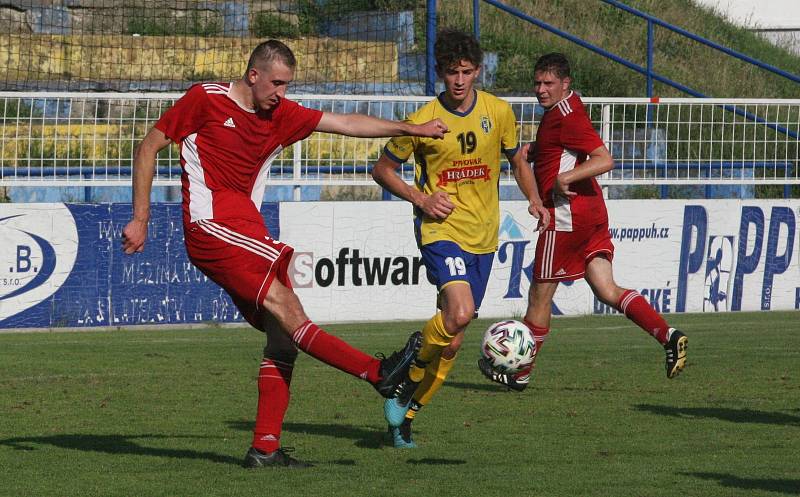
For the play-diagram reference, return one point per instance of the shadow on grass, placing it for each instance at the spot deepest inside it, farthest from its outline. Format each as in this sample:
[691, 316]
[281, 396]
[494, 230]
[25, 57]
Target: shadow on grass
[486, 387]
[725, 414]
[434, 461]
[364, 438]
[116, 444]
[791, 487]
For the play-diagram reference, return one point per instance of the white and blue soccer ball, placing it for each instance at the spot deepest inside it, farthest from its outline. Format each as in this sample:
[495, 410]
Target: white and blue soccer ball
[508, 346]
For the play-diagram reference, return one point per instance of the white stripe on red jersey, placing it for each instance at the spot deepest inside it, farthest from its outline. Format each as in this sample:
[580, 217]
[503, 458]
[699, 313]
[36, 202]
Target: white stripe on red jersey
[216, 88]
[250, 244]
[547, 254]
[260, 184]
[200, 206]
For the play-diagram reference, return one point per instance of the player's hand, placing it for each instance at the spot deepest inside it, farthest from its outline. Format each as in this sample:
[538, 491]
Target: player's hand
[528, 151]
[437, 206]
[542, 214]
[435, 128]
[134, 236]
[561, 187]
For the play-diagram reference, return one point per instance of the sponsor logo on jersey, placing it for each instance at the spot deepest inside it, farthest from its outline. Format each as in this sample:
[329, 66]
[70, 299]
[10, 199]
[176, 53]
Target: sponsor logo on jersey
[486, 124]
[469, 172]
[229, 123]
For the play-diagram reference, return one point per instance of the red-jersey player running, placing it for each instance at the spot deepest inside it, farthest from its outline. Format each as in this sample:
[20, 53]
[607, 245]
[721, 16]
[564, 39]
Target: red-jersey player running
[568, 155]
[229, 133]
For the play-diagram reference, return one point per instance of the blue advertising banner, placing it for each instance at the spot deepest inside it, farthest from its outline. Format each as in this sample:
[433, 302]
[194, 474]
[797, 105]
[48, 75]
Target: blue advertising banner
[61, 265]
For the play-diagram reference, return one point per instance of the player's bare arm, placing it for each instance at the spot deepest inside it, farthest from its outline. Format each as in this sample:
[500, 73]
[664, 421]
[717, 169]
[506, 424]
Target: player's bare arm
[599, 162]
[134, 234]
[435, 206]
[363, 126]
[526, 180]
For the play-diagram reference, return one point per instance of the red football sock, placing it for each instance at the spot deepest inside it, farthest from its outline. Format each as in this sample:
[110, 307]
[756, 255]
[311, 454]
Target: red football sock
[539, 336]
[335, 352]
[638, 310]
[274, 378]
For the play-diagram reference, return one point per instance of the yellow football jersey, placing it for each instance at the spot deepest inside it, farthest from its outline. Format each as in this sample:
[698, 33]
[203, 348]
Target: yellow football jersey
[465, 165]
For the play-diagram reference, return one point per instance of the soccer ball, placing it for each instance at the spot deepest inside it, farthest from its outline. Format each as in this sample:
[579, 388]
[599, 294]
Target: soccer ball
[508, 346]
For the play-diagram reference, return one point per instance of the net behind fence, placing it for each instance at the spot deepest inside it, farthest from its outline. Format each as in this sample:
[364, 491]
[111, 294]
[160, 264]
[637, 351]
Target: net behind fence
[88, 139]
[342, 46]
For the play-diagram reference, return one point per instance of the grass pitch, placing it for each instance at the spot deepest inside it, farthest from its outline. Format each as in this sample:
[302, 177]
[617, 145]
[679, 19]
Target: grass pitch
[169, 413]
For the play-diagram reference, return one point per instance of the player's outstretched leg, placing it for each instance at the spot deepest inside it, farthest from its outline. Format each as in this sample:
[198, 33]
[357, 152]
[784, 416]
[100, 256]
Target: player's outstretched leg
[394, 369]
[401, 436]
[276, 459]
[676, 346]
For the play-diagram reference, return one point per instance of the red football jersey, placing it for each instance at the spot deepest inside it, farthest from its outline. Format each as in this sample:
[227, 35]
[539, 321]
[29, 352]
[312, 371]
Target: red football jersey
[226, 150]
[563, 141]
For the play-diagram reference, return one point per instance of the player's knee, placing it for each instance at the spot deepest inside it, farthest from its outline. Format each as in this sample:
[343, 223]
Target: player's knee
[448, 353]
[609, 294]
[282, 303]
[457, 319]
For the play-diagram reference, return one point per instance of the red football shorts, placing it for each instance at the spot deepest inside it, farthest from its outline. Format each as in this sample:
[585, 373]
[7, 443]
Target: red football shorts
[563, 255]
[239, 256]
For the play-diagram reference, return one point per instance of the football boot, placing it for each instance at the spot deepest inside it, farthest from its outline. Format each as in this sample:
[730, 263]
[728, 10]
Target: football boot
[676, 346]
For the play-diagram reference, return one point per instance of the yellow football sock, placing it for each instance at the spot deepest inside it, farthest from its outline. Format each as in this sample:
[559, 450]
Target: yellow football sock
[435, 374]
[434, 338]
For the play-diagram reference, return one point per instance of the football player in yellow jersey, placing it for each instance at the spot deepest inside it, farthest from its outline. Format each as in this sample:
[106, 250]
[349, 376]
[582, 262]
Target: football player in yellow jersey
[456, 211]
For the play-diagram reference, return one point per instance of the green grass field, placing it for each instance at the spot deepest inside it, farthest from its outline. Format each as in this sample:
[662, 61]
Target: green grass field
[169, 413]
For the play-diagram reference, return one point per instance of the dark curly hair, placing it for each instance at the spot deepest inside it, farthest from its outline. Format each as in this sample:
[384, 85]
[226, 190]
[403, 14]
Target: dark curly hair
[453, 46]
[554, 63]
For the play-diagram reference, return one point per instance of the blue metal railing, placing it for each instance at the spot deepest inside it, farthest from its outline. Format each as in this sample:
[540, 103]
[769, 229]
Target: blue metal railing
[651, 20]
[648, 71]
[585, 44]
[430, 33]
[664, 170]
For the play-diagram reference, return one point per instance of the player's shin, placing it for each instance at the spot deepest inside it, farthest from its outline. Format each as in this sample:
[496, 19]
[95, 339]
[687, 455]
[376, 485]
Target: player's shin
[434, 338]
[435, 374]
[274, 378]
[637, 309]
[335, 352]
[539, 334]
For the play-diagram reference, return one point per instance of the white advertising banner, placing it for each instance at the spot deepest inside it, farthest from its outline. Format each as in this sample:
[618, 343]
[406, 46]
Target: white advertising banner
[38, 250]
[358, 261]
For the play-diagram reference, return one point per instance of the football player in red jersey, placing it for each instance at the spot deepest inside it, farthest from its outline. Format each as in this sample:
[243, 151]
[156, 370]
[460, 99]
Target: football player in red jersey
[229, 133]
[567, 157]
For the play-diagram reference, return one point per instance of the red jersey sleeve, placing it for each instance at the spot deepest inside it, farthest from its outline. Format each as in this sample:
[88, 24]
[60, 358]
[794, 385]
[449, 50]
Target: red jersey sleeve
[296, 122]
[186, 116]
[578, 135]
